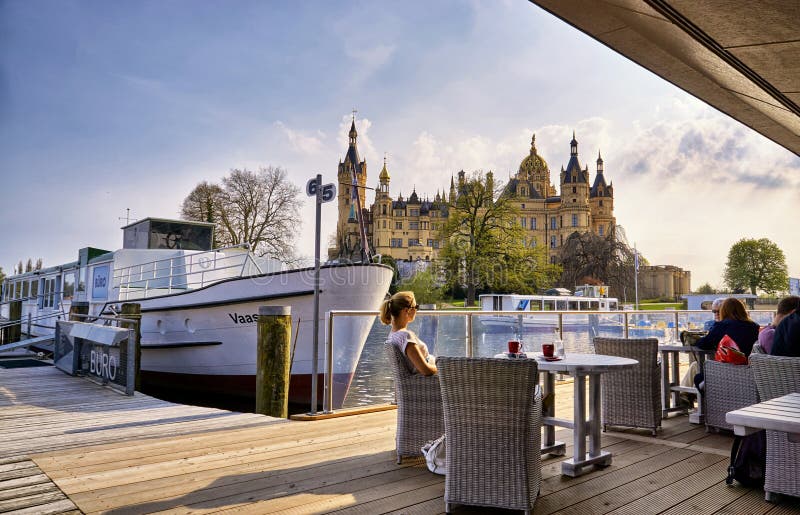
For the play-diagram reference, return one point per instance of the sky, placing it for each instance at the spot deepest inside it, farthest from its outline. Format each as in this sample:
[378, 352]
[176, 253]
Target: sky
[113, 105]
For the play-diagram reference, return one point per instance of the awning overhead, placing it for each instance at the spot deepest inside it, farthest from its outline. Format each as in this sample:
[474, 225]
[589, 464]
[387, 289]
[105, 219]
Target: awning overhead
[740, 56]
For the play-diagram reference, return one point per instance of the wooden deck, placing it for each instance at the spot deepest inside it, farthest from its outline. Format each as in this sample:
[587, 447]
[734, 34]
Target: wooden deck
[70, 446]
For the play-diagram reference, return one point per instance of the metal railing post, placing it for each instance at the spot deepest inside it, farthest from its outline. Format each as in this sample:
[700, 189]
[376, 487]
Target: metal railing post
[676, 328]
[469, 349]
[29, 325]
[625, 324]
[561, 325]
[327, 399]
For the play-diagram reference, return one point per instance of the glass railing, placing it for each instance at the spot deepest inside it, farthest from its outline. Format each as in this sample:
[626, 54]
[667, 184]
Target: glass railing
[486, 333]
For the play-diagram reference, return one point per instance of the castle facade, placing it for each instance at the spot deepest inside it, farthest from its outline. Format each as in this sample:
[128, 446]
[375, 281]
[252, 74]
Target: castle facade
[407, 228]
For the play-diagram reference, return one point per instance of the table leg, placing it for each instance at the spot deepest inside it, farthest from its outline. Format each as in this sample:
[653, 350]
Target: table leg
[549, 443]
[580, 460]
[665, 392]
[676, 380]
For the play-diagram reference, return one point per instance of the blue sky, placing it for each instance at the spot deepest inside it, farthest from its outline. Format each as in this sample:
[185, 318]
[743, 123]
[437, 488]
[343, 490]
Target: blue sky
[108, 105]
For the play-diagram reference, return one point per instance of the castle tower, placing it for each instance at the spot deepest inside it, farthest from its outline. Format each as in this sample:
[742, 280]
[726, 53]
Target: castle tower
[574, 213]
[382, 213]
[352, 178]
[601, 202]
[534, 172]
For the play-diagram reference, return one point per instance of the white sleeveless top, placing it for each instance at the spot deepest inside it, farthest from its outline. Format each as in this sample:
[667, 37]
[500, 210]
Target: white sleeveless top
[402, 338]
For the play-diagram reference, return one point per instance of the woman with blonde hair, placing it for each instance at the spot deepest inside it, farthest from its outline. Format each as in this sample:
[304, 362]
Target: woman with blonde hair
[398, 311]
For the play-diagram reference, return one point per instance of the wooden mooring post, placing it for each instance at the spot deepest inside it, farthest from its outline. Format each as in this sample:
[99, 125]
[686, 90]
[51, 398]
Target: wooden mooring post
[273, 360]
[133, 311]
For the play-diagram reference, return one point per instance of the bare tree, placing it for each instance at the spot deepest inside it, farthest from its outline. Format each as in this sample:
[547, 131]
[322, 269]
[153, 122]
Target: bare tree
[588, 257]
[259, 208]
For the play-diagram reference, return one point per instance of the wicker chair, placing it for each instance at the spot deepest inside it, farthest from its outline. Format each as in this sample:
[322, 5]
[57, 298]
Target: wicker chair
[631, 397]
[777, 376]
[493, 420]
[419, 405]
[728, 387]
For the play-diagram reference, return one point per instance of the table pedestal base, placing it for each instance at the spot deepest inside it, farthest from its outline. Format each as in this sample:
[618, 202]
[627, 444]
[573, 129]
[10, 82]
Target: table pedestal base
[574, 468]
[557, 448]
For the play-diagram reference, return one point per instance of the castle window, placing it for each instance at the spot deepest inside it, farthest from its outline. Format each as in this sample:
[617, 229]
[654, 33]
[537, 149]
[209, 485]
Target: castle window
[533, 242]
[413, 242]
[415, 212]
[424, 225]
[574, 200]
[601, 203]
[574, 220]
[574, 189]
[396, 242]
[522, 192]
[522, 206]
[384, 224]
[533, 223]
[553, 222]
[524, 222]
[414, 226]
[436, 244]
[600, 230]
[552, 242]
[430, 242]
[384, 211]
[574, 178]
[552, 260]
[398, 225]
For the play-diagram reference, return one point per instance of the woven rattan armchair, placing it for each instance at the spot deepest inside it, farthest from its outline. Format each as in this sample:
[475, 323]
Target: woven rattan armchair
[493, 420]
[776, 376]
[419, 405]
[631, 397]
[728, 387]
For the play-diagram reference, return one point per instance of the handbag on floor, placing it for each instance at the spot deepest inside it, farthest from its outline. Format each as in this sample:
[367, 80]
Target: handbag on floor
[435, 453]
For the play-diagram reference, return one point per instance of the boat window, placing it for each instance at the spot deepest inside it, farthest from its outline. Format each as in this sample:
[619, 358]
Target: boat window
[497, 303]
[172, 235]
[561, 305]
[536, 305]
[34, 288]
[612, 305]
[522, 305]
[68, 290]
[574, 305]
[594, 305]
[25, 289]
[549, 305]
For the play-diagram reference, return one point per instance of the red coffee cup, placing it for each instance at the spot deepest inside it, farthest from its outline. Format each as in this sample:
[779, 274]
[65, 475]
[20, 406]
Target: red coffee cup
[513, 346]
[548, 349]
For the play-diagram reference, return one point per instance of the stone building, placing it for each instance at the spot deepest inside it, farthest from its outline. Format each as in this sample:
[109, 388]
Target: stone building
[664, 281]
[407, 228]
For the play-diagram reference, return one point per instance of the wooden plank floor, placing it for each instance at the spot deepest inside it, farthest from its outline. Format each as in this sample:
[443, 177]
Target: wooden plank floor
[71, 446]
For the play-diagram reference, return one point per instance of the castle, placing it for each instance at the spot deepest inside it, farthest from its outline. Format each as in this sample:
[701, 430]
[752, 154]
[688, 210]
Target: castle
[407, 229]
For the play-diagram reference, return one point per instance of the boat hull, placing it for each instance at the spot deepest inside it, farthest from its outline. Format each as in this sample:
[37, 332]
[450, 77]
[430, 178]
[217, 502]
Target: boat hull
[205, 340]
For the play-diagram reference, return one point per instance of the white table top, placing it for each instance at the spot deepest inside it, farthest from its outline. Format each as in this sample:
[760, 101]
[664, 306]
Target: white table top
[779, 414]
[575, 362]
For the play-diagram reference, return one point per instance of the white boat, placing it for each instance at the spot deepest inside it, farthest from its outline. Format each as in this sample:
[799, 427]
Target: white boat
[589, 298]
[200, 306]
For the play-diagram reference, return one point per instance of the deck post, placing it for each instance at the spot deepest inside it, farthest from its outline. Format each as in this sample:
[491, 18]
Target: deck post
[133, 311]
[273, 360]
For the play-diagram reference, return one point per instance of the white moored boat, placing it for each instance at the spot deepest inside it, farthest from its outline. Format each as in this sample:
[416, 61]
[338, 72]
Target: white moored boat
[587, 298]
[200, 306]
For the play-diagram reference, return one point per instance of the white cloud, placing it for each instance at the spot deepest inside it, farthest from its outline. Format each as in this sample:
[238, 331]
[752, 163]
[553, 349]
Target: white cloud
[310, 144]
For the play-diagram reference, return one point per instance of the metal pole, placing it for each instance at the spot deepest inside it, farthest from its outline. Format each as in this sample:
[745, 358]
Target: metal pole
[315, 356]
[327, 400]
[469, 335]
[636, 273]
[29, 326]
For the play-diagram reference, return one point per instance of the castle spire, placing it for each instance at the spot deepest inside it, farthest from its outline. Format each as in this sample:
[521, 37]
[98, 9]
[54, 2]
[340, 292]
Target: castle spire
[573, 145]
[599, 162]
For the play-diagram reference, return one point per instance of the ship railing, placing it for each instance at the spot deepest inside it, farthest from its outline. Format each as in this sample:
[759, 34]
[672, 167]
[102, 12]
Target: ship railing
[185, 272]
[666, 325]
[50, 300]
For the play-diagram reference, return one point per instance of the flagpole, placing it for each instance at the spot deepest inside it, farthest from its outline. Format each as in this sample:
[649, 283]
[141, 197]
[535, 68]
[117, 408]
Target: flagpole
[636, 273]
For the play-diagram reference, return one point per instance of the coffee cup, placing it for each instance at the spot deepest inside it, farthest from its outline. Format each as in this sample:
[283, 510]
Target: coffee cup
[514, 346]
[548, 349]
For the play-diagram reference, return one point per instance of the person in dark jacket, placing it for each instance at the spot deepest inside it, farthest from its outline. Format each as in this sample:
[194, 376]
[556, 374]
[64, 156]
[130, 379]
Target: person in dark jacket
[735, 322]
[787, 337]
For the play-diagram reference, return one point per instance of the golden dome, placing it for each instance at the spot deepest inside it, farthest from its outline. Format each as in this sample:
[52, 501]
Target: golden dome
[533, 165]
[384, 176]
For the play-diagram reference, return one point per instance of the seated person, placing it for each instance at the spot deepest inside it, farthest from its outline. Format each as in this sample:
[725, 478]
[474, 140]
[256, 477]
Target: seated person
[399, 311]
[715, 310]
[785, 307]
[734, 322]
[787, 336]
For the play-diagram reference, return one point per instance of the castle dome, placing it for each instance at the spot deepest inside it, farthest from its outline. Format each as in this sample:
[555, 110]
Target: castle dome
[384, 176]
[534, 166]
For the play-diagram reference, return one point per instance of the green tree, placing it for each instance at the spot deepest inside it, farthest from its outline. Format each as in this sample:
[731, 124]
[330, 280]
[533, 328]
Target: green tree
[2, 274]
[706, 289]
[425, 287]
[484, 245]
[756, 265]
[390, 261]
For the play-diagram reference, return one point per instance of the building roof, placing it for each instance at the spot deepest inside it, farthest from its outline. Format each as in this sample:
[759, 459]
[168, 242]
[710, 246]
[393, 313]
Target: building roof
[739, 56]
